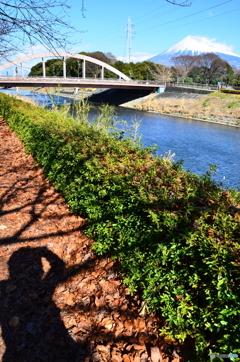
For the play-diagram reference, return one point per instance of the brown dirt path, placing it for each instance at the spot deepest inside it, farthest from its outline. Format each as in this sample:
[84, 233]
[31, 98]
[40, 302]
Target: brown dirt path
[58, 301]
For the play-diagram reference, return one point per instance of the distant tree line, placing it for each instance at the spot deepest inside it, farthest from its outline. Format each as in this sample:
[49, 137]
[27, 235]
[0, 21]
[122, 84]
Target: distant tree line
[54, 67]
[206, 68]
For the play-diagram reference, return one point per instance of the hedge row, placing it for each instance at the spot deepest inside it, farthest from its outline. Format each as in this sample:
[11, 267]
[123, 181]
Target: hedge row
[175, 234]
[231, 91]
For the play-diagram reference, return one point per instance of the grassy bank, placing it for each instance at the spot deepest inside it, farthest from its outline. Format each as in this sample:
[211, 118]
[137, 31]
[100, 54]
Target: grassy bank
[217, 106]
[175, 234]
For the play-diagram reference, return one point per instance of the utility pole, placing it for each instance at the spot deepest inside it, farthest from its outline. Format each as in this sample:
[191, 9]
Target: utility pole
[128, 45]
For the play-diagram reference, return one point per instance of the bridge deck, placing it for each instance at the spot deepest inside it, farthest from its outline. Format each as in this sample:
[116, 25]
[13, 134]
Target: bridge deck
[80, 83]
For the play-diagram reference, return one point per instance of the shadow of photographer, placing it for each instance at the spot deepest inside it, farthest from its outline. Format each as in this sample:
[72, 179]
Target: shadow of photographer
[32, 328]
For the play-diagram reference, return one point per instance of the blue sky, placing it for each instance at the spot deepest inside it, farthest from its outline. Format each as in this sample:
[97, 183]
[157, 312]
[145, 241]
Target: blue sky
[157, 24]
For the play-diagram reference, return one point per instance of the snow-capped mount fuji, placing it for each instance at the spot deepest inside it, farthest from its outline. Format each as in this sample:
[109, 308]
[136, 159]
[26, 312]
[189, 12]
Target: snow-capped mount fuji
[195, 45]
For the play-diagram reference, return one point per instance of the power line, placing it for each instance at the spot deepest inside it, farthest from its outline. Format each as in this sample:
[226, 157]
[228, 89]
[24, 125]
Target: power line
[188, 16]
[110, 30]
[160, 15]
[200, 20]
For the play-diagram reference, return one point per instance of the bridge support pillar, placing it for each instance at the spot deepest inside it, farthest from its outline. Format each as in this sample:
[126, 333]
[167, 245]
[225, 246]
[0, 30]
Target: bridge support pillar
[84, 69]
[22, 72]
[76, 90]
[64, 68]
[102, 73]
[43, 68]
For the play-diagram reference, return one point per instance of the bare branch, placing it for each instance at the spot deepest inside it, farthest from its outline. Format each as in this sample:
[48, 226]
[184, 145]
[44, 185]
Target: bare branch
[161, 73]
[35, 22]
[83, 9]
[183, 64]
[183, 3]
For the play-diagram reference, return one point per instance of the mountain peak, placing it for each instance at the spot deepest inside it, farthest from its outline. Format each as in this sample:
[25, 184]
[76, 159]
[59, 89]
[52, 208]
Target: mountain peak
[198, 45]
[195, 45]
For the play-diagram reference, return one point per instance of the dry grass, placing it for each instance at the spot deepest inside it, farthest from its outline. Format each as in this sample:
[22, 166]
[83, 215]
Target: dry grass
[25, 99]
[224, 108]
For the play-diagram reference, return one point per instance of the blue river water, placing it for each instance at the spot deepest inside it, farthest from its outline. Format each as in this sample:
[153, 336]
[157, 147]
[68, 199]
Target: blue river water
[199, 144]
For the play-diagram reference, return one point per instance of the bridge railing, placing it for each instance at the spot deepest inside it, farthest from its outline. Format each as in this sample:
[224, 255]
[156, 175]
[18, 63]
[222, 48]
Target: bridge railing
[79, 79]
[193, 85]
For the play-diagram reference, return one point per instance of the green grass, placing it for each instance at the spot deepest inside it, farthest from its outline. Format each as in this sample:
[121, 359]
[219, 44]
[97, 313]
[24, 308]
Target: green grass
[234, 104]
[219, 95]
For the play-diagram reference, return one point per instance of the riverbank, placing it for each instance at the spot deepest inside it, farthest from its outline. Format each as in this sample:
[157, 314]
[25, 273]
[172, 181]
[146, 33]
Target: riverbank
[216, 107]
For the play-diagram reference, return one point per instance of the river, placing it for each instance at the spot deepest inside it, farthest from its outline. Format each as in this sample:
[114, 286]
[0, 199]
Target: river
[198, 143]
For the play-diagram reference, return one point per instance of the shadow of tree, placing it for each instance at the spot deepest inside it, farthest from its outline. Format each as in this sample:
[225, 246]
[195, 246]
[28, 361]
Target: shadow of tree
[33, 204]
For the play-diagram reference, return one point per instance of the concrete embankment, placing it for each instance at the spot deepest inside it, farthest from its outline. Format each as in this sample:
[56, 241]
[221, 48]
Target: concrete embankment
[114, 97]
[122, 97]
[183, 93]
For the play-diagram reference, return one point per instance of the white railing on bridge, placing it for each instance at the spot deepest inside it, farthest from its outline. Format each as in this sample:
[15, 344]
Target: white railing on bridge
[77, 79]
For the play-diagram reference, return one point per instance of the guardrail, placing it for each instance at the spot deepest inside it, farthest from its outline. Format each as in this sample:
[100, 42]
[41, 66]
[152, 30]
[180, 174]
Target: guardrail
[193, 85]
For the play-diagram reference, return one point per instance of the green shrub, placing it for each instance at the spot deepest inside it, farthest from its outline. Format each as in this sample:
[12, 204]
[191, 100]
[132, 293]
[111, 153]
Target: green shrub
[175, 234]
[188, 80]
[232, 91]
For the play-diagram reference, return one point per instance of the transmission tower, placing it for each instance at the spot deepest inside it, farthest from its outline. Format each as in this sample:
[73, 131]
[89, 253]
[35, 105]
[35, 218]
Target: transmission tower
[128, 45]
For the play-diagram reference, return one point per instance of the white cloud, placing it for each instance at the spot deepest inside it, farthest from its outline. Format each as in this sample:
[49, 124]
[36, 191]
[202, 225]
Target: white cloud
[209, 14]
[137, 57]
[83, 48]
[221, 47]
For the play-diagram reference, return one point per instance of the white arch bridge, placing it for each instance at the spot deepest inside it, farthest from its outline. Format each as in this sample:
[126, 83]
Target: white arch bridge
[122, 81]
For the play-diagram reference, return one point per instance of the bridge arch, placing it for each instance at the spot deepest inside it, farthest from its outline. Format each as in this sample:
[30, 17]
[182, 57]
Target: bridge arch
[64, 55]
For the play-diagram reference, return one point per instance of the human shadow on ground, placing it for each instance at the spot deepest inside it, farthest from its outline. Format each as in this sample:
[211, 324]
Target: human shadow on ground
[32, 328]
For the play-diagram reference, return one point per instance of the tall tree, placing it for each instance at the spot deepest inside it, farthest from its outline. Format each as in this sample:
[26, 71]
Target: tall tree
[183, 64]
[162, 73]
[94, 70]
[212, 65]
[111, 58]
[228, 77]
[236, 80]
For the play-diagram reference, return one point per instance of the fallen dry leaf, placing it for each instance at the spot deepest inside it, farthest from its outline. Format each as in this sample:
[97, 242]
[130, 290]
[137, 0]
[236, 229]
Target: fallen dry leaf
[14, 321]
[155, 355]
